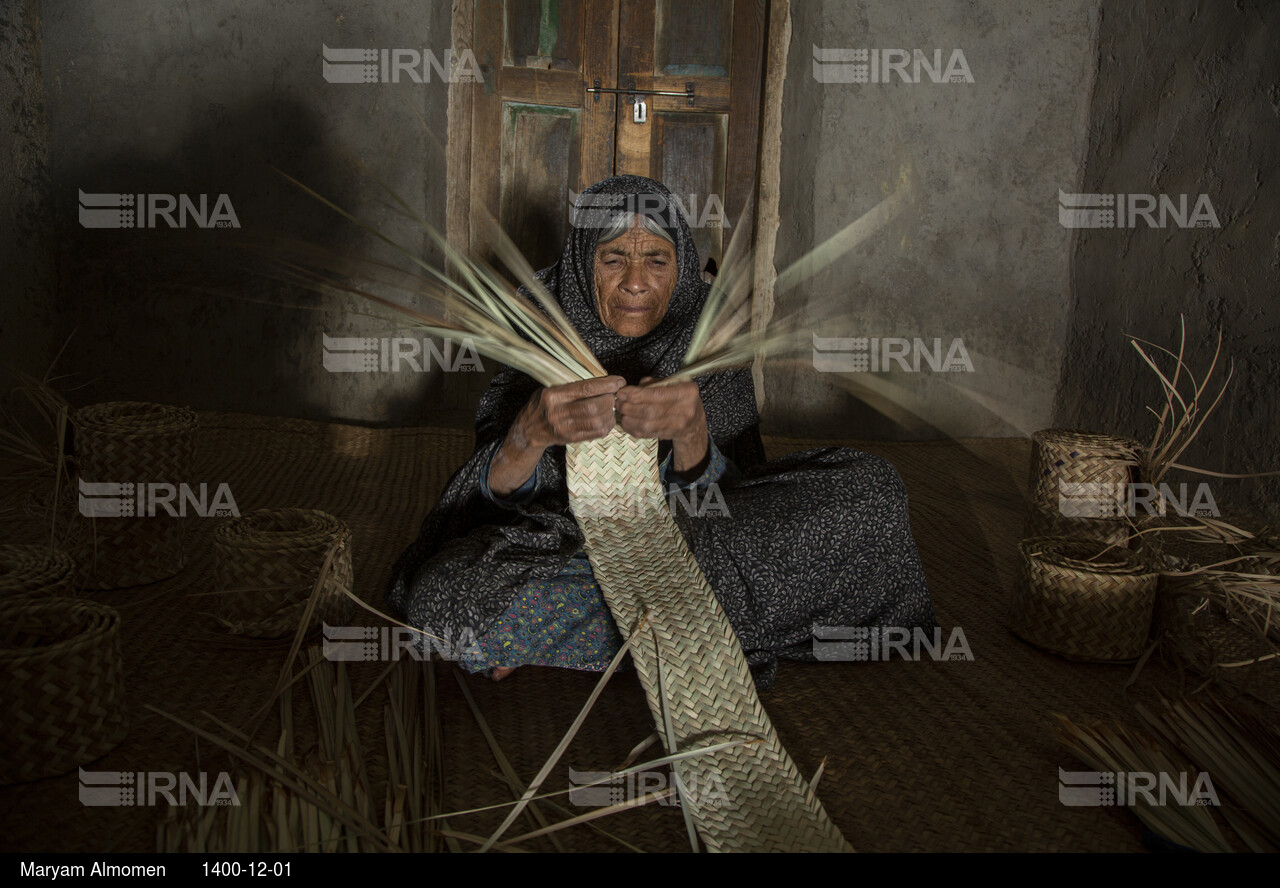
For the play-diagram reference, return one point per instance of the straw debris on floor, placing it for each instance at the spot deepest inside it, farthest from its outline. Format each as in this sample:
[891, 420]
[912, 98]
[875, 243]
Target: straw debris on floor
[928, 755]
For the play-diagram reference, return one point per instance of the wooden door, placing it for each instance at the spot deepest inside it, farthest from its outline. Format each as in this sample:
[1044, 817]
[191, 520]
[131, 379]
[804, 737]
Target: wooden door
[704, 152]
[538, 136]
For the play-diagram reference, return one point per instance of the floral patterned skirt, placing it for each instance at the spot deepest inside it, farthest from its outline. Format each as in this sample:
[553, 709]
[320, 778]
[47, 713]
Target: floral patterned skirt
[562, 622]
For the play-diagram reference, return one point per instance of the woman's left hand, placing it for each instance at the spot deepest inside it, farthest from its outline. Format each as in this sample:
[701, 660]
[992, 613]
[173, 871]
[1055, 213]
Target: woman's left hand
[670, 413]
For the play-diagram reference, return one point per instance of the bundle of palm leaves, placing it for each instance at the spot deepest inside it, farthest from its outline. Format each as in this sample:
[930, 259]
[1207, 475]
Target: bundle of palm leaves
[1237, 750]
[475, 305]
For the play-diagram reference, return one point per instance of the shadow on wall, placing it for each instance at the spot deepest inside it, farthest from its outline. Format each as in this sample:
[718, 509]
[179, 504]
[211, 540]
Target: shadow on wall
[1184, 109]
[178, 315]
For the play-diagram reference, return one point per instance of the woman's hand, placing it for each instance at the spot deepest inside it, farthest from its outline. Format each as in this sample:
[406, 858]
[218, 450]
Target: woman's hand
[562, 414]
[670, 413]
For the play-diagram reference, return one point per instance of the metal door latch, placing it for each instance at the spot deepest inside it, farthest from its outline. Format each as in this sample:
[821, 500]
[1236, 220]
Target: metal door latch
[641, 113]
[631, 92]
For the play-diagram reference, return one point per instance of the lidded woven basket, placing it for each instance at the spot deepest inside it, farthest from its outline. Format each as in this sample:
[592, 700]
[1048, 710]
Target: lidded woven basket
[1080, 484]
[61, 686]
[128, 446]
[1077, 598]
[267, 563]
[34, 572]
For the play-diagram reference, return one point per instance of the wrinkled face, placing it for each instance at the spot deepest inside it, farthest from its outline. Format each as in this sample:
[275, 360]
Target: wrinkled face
[635, 277]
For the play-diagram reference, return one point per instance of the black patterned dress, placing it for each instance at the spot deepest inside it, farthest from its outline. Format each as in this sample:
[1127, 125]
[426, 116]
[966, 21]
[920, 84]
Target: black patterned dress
[815, 538]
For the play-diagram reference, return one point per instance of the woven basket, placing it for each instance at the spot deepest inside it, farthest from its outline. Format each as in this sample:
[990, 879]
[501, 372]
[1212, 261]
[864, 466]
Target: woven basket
[61, 686]
[267, 563]
[130, 443]
[34, 572]
[1082, 475]
[1202, 632]
[1097, 610]
[1107, 532]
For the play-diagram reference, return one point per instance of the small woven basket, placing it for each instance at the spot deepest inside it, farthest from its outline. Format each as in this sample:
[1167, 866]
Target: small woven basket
[61, 686]
[1204, 632]
[1108, 532]
[1097, 610]
[267, 563]
[1082, 474]
[130, 443]
[34, 572]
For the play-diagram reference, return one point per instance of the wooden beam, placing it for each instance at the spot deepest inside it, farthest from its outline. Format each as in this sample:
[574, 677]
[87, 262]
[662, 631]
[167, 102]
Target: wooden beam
[458, 150]
[766, 233]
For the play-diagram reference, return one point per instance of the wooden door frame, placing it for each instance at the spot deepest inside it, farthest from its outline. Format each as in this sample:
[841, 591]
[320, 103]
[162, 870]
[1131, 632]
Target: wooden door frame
[765, 197]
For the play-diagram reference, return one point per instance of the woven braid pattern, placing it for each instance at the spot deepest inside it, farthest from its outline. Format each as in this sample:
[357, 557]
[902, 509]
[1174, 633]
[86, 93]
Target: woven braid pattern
[1067, 456]
[1088, 610]
[131, 442]
[749, 798]
[34, 571]
[61, 686]
[266, 567]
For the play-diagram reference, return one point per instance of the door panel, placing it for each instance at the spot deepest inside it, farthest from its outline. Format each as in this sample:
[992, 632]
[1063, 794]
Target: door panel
[537, 135]
[689, 158]
[540, 157]
[543, 35]
[693, 38]
[705, 153]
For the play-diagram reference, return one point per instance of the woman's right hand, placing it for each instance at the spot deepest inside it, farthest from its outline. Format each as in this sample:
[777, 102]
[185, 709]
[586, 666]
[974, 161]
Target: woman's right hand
[561, 414]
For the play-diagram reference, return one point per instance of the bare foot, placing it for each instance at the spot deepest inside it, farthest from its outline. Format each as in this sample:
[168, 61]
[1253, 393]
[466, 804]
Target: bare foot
[498, 673]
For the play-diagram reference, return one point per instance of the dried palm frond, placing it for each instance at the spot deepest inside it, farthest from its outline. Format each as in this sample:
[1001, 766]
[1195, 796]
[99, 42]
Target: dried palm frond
[568, 737]
[42, 454]
[1239, 751]
[476, 306]
[1180, 420]
[719, 340]
[1119, 750]
[317, 801]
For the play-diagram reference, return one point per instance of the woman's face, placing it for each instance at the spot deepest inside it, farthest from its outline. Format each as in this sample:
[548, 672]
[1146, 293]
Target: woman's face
[635, 277]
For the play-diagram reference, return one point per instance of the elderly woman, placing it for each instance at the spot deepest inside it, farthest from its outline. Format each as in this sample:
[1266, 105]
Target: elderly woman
[820, 537]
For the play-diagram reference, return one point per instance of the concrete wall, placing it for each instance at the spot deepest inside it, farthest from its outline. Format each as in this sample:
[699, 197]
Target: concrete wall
[1187, 102]
[146, 96]
[27, 316]
[979, 254]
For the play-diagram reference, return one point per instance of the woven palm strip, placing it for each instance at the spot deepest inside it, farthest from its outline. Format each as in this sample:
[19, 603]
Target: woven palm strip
[643, 564]
[61, 686]
[1068, 456]
[34, 571]
[132, 442]
[1097, 609]
[266, 566]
